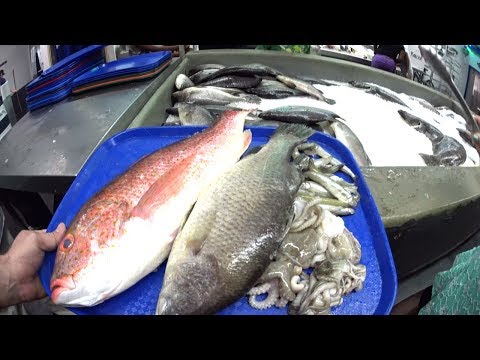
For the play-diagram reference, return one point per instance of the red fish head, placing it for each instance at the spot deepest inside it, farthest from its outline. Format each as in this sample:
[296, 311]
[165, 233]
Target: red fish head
[94, 229]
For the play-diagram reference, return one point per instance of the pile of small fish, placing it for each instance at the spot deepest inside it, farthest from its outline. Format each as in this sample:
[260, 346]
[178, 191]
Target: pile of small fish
[212, 88]
[220, 221]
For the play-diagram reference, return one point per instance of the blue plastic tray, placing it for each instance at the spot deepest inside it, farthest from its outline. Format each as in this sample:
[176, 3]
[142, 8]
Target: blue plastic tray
[65, 82]
[117, 154]
[53, 98]
[130, 65]
[77, 56]
[59, 75]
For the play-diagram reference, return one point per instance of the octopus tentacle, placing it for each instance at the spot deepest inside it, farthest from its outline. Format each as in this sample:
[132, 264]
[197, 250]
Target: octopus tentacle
[317, 258]
[304, 225]
[296, 285]
[260, 289]
[269, 301]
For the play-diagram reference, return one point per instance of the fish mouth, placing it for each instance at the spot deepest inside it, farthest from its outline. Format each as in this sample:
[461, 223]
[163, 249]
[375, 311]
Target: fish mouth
[60, 285]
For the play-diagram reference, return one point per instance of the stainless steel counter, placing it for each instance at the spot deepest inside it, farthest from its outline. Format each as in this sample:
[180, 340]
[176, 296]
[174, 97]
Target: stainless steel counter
[47, 148]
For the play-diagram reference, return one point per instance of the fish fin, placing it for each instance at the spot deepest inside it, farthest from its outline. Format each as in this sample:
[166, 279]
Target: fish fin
[430, 160]
[301, 132]
[197, 236]
[166, 186]
[247, 139]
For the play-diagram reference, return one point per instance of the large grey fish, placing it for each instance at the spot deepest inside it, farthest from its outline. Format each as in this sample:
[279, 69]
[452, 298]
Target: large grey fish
[304, 87]
[235, 228]
[202, 67]
[375, 90]
[202, 75]
[245, 70]
[269, 89]
[206, 95]
[299, 114]
[346, 136]
[233, 81]
[183, 82]
[446, 150]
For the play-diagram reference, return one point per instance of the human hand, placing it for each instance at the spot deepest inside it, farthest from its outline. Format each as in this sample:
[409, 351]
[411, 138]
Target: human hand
[19, 266]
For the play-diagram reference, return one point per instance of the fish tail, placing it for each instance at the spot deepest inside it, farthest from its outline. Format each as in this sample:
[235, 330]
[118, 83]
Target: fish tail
[430, 160]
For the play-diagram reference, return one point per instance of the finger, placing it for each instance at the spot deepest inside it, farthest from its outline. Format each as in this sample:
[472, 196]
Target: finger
[49, 241]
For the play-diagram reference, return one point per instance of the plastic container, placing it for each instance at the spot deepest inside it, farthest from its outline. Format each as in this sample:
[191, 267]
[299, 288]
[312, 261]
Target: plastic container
[127, 66]
[118, 153]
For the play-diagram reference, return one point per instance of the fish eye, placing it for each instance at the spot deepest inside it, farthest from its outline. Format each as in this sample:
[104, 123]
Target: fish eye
[67, 243]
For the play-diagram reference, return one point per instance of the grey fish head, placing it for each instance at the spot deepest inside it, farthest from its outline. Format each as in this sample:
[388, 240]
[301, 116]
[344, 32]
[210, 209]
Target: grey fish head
[189, 288]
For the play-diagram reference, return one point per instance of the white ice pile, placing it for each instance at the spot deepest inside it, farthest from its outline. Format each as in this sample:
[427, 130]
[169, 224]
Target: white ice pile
[386, 137]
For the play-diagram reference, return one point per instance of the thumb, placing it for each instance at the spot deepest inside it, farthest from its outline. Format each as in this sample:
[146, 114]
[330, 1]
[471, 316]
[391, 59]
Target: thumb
[50, 241]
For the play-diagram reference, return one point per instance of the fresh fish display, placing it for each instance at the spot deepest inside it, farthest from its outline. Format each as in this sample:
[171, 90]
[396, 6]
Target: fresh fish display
[206, 95]
[183, 82]
[299, 114]
[126, 230]
[273, 89]
[233, 81]
[446, 150]
[360, 108]
[202, 67]
[245, 70]
[225, 246]
[348, 138]
[304, 87]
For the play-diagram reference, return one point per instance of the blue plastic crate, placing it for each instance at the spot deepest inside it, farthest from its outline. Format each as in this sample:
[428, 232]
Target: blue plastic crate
[118, 153]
